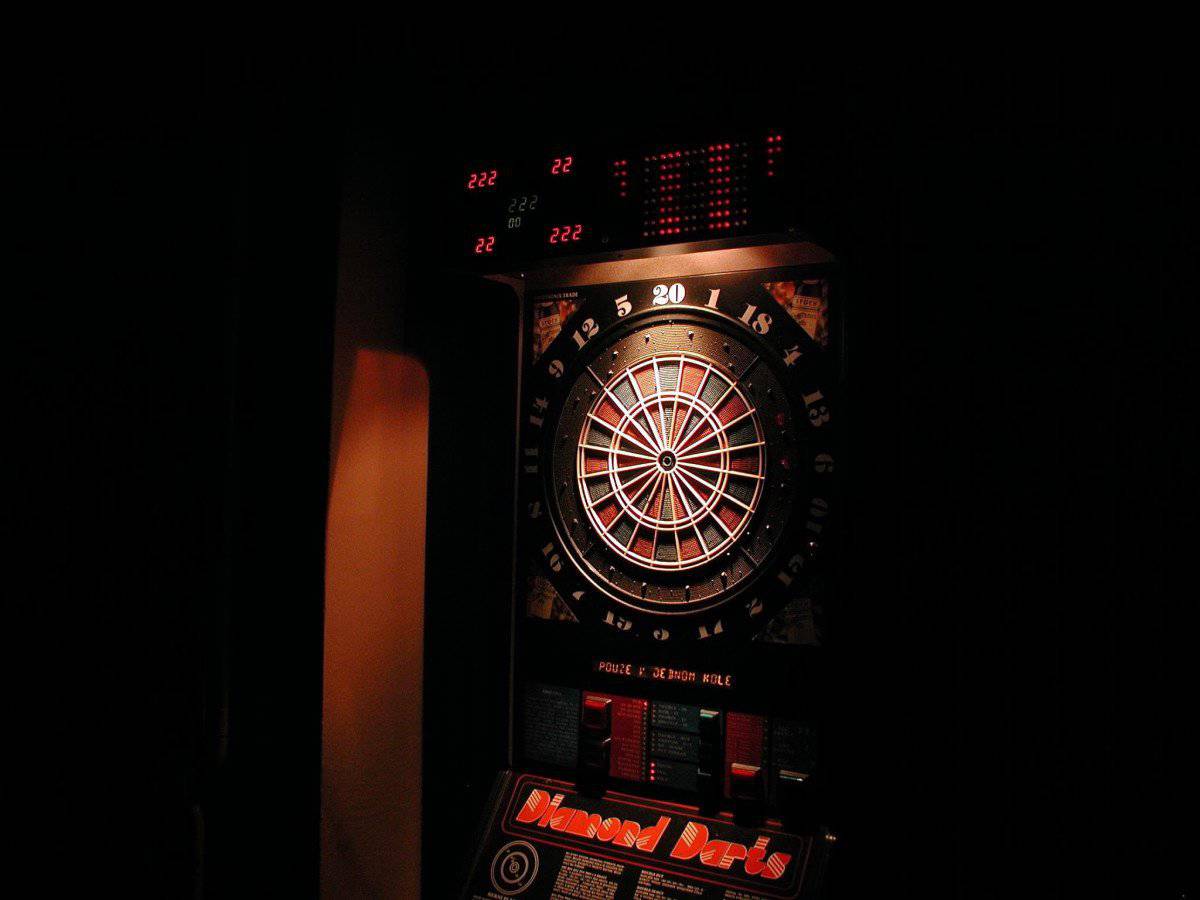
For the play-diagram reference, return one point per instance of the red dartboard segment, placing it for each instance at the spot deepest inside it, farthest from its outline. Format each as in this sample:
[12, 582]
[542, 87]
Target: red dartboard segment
[730, 410]
[607, 410]
[689, 381]
[695, 435]
[655, 507]
[645, 380]
[644, 545]
[606, 512]
[697, 490]
[681, 490]
[729, 514]
[689, 547]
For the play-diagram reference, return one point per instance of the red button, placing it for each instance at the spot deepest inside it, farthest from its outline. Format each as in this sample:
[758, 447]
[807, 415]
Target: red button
[597, 713]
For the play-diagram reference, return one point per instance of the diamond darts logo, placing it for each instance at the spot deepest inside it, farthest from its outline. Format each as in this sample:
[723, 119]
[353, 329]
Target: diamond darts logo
[695, 843]
[670, 839]
[547, 812]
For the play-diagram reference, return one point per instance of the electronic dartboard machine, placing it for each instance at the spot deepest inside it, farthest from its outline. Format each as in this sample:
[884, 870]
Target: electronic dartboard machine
[676, 512]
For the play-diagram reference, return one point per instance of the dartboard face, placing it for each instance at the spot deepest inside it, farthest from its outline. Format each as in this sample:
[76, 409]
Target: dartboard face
[677, 457]
[671, 462]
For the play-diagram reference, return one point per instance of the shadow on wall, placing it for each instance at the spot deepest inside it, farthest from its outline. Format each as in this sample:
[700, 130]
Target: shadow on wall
[374, 618]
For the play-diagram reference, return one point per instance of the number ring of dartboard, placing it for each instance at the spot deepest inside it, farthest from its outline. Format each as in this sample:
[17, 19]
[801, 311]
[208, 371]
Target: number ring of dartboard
[678, 467]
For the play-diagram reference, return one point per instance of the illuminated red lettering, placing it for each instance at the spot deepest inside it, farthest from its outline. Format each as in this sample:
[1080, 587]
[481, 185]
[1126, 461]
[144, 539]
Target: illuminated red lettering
[545, 811]
[561, 234]
[583, 824]
[694, 842]
[627, 834]
[650, 837]
[690, 843]
[608, 829]
[775, 866]
[477, 180]
[535, 805]
[755, 856]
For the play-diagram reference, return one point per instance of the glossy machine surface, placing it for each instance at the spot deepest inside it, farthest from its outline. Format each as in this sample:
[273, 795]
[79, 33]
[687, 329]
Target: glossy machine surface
[676, 510]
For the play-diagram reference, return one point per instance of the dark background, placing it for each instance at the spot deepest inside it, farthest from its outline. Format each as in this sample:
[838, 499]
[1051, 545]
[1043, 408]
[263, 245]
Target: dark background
[1018, 239]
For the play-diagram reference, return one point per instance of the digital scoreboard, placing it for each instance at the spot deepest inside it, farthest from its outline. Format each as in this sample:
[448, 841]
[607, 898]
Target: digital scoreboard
[573, 199]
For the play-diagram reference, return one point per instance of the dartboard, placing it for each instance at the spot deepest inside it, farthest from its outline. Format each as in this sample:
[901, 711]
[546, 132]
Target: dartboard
[677, 457]
[670, 461]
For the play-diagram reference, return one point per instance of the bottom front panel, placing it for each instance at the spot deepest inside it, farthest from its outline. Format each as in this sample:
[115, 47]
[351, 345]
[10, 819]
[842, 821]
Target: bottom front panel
[544, 839]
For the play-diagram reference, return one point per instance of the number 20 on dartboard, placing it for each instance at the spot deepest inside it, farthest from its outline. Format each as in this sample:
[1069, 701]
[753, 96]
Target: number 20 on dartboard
[664, 295]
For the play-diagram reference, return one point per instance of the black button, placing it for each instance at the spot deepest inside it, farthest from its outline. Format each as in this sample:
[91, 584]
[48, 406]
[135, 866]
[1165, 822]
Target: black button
[594, 755]
[746, 782]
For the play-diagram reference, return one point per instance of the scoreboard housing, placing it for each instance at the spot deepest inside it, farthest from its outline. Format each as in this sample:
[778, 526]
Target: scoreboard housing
[675, 553]
[574, 199]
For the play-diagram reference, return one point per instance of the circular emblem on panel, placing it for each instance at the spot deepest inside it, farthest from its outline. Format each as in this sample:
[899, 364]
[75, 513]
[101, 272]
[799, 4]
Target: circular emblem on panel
[514, 868]
[678, 463]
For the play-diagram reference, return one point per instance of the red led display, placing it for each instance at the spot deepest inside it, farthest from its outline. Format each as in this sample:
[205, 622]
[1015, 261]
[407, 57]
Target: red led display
[478, 180]
[620, 177]
[674, 192]
[774, 150]
[565, 234]
[485, 245]
[694, 189]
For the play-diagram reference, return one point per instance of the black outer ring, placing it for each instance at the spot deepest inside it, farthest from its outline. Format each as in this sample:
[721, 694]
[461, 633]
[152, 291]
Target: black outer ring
[591, 602]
